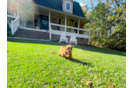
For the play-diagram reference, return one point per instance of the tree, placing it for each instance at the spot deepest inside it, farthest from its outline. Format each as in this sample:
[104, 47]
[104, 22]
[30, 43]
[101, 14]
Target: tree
[118, 19]
[99, 25]
[108, 23]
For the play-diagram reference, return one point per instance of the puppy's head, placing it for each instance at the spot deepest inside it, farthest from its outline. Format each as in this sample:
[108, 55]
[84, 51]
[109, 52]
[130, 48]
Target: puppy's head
[69, 48]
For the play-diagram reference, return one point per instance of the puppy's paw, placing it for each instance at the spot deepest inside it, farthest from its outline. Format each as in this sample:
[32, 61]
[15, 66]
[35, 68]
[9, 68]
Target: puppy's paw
[59, 54]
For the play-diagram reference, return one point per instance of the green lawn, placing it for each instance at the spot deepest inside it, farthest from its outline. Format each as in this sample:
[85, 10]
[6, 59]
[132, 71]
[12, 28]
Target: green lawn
[36, 64]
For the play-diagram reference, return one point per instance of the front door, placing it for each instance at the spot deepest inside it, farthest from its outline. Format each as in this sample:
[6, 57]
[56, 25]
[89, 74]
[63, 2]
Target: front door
[44, 22]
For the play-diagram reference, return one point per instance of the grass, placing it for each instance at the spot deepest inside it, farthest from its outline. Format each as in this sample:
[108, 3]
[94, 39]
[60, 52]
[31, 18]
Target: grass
[36, 64]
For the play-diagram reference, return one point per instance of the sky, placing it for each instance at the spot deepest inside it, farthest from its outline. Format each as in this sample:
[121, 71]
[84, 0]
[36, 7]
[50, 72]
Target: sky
[81, 3]
[95, 3]
[78, 1]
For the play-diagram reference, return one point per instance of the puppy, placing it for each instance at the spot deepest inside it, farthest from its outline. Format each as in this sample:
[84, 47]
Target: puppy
[66, 51]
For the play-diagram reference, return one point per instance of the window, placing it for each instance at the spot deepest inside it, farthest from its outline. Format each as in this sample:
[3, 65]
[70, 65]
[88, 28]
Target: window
[68, 6]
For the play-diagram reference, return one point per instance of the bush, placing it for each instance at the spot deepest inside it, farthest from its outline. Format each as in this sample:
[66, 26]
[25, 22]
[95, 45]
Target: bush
[9, 34]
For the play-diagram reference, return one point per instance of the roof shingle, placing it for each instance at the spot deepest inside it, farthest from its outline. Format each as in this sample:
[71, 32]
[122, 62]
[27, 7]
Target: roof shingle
[57, 5]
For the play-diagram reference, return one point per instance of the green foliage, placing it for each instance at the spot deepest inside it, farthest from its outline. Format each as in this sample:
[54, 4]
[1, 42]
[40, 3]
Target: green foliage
[99, 25]
[108, 24]
[9, 34]
[119, 20]
[8, 30]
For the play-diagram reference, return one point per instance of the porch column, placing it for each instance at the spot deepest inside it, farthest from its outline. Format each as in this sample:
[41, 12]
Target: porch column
[65, 22]
[49, 25]
[89, 33]
[78, 26]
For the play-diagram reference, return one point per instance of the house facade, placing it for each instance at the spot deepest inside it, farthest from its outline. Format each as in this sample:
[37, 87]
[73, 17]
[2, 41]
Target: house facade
[47, 19]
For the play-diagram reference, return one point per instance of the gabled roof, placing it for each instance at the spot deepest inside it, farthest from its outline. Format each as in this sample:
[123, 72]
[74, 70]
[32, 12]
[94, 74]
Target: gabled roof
[57, 5]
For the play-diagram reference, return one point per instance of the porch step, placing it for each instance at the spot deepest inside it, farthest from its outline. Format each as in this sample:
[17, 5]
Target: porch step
[23, 33]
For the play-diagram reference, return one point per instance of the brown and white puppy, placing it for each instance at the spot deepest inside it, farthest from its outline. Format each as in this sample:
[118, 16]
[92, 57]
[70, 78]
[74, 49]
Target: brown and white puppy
[66, 51]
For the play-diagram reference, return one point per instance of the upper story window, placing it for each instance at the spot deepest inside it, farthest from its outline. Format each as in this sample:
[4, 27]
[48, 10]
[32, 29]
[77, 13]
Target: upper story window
[67, 6]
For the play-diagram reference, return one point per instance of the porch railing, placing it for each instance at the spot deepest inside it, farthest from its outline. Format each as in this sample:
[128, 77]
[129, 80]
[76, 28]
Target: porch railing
[10, 16]
[14, 24]
[69, 33]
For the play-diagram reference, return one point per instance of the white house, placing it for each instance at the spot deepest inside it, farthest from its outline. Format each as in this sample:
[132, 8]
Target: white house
[47, 19]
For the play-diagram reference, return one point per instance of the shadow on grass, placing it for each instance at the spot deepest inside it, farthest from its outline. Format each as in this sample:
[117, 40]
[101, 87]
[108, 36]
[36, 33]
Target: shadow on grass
[102, 50]
[78, 61]
[88, 48]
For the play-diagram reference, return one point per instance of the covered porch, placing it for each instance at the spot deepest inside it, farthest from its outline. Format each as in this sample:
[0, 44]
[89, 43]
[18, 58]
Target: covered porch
[39, 18]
